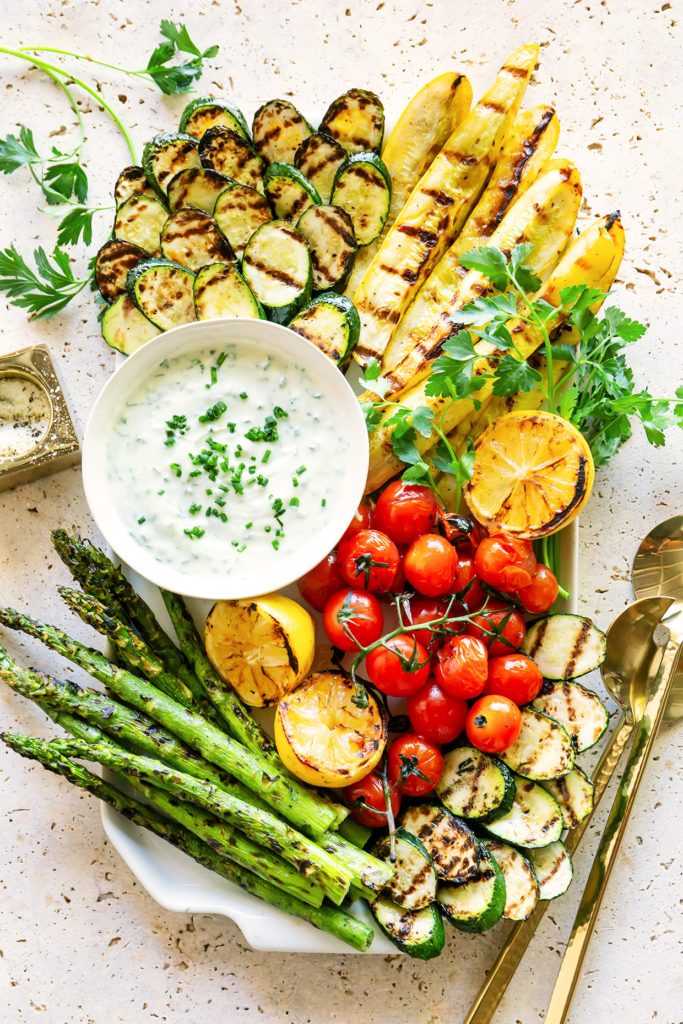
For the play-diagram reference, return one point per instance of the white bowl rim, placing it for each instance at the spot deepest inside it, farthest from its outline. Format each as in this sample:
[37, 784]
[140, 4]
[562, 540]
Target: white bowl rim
[338, 512]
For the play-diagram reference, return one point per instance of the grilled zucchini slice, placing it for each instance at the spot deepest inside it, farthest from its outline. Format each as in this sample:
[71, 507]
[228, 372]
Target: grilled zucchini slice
[413, 885]
[192, 239]
[356, 121]
[166, 155]
[332, 324]
[140, 221]
[542, 750]
[552, 866]
[362, 187]
[521, 885]
[331, 239]
[419, 933]
[288, 191]
[579, 710]
[112, 264]
[225, 151]
[125, 328]
[132, 181]
[452, 847]
[239, 212]
[319, 158]
[533, 820]
[278, 130]
[220, 292]
[478, 904]
[277, 267]
[565, 646]
[475, 785]
[196, 187]
[163, 292]
[574, 794]
[206, 112]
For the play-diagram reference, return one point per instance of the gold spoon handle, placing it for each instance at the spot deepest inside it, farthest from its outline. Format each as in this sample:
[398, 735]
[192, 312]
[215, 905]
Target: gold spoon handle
[509, 958]
[606, 856]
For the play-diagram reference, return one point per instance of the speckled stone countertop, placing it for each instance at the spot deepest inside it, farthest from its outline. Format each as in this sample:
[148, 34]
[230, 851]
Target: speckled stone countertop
[80, 940]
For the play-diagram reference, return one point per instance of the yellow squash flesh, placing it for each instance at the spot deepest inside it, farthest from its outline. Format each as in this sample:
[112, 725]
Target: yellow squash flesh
[438, 207]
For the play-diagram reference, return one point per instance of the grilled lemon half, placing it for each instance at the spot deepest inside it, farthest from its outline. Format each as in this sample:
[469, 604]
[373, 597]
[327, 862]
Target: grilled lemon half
[323, 737]
[533, 473]
[262, 647]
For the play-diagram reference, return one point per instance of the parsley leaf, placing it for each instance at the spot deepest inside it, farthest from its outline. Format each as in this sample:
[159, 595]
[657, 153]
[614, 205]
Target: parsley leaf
[490, 261]
[64, 180]
[515, 375]
[45, 291]
[76, 224]
[176, 78]
[15, 153]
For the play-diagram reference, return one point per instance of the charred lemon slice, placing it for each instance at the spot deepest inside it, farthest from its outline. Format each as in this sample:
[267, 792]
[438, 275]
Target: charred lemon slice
[323, 737]
[533, 473]
[263, 647]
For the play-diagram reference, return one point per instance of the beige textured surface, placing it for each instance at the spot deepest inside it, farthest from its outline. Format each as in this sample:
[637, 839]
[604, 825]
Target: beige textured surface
[79, 940]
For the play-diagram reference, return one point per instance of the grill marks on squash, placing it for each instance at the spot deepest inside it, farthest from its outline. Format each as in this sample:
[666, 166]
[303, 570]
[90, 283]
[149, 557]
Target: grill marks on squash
[278, 130]
[449, 843]
[113, 261]
[223, 150]
[191, 238]
[319, 157]
[355, 120]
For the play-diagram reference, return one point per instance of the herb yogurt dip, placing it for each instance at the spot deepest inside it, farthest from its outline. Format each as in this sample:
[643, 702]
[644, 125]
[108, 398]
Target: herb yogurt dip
[225, 454]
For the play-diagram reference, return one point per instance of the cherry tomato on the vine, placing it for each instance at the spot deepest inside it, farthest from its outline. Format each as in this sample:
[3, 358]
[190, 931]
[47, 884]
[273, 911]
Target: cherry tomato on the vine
[362, 520]
[466, 577]
[500, 626]
[541, 594]
[318, 585]
[404, 511]
[418, 612]
[505, 562]
[369, 561]
[430, 564]
[515, 676]
[371, 792]
[493, 724]
[399, 667]
[436, 715]
[428, 760]
[462, 666]
[359, 612]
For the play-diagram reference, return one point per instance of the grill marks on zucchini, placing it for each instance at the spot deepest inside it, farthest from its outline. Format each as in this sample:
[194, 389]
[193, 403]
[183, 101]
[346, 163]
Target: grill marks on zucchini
[278, 130]
[413, 885]
[132, 181]
[239, 211]
[356, 121]
[450, 844]
[542, 750]
[574, 794]
[277, 267]
[206, 112]
[191, 238]
[552, 866]
[477, 905]
[565, 646]
[125, 328]
[330, 236]
[163, 292]
[220, 291]
[362, 187]
[578, 710]
[474, 784]
[112, 263]
[533, 820]
[332, 324]
[140, 221]
[225, 151]
[521, 886]
[419, 933]
[319, 158]
[196, 187]
[166, 155]
[288, 191]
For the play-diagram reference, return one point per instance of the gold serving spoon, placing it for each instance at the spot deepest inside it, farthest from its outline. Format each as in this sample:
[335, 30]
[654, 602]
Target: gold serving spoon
[659, 558]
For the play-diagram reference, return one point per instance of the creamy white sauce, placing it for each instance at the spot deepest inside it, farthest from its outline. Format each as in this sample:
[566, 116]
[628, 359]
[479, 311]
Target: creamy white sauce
[151, 481]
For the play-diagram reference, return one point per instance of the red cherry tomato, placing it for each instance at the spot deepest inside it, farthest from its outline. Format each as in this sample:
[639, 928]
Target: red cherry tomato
[362, 520]
[466, 577]
[493, 724]
[387, 669]
[541, 594]
[404, 511]
[436, 715]
[370, 791]
[399, 581]
[515, 676]
[429, 762]
[488, 627]
[360, 612]
[318, 585]
[462, 666]
[505, 562]
[369, 561]
[430, 564]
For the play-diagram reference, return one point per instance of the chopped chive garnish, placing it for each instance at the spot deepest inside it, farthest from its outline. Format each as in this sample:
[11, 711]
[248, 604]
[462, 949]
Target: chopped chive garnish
[276, 544]
[248, 526]
[176, 468]
[324, 502]
[280, 413]
[194, 509]
[213, 412]
[195, 533]
[267, 529]
[162, 491]
[231, 427]
[266, 455]
[142, 520]
[195, 472]
[295, 481]
[222, 516]
[243, 395]
[208, 491]
[220, 502]
[294, 501]
[300, 470]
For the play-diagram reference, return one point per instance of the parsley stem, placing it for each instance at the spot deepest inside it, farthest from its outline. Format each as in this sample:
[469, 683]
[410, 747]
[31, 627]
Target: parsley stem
[533, 318]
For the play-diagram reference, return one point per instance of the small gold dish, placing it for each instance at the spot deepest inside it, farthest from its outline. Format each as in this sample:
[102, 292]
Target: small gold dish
[37, 435]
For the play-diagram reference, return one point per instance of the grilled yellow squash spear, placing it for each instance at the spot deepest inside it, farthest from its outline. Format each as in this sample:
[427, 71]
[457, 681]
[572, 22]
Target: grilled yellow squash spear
[524, 156]
[545, 217]
[429, 119]
[438, 207]
[592, 259]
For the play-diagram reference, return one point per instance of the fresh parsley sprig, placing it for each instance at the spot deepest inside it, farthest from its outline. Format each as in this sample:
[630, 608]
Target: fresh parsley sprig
[45, 290]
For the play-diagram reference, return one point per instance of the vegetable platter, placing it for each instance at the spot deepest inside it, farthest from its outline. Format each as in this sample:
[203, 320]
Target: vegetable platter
[422, 685]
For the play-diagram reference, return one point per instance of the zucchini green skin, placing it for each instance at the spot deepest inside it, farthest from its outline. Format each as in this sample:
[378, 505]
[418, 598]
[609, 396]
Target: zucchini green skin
[469, 808]
[219, 285]
[133, 281]
[519, 827]
[279, 314]
[433, 942]
[574, 795]
[556, 884]
[234, 117]
[563, 700]
[565, 646]
[529, 758]
[357, 206]
[132, 181]
[125, 328]
[304, 323]
[159, 142]
[491, 914]
[288, 192]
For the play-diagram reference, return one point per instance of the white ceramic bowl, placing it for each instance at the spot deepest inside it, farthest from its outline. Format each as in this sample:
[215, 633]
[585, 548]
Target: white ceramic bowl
[252, 576]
